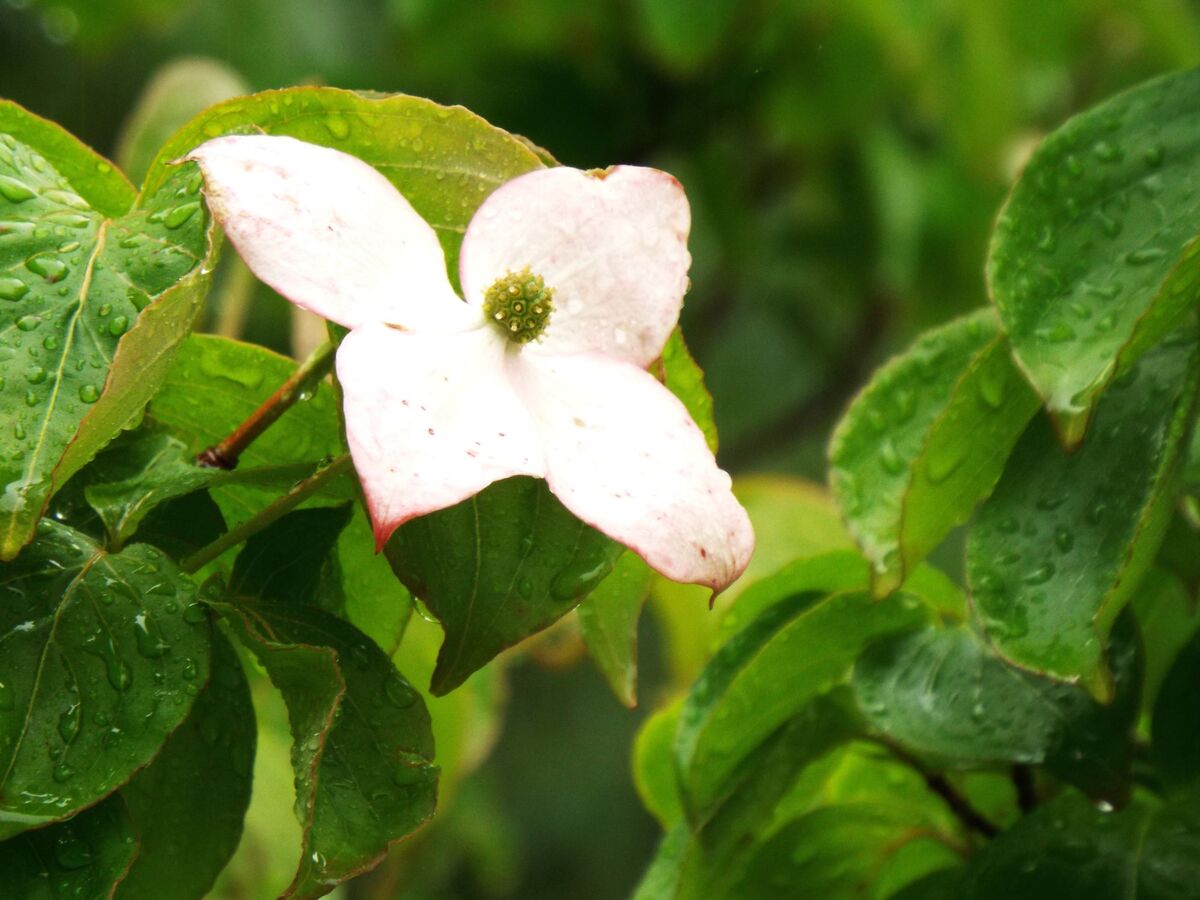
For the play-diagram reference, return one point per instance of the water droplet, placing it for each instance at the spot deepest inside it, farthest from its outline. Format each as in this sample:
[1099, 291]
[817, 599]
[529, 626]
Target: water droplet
[12, 289]
[68, 723]
[1109, 225]
[50, 342]
[53, 270]
[398, 692]
[991, 388]
[35, 374]
[180, 215]
[89, 394]
[1057, 334]
[29, 323]
[1040, 575]
[1145, 256]
[70, 852]
[1107, 152]
[338, 127]
[189, 671]
[1063, 539]
[1153, 156]
[944, 459]
[525, 588]
[195, 613]
[149, 637]
[118, 326]
[14, 191]
[889, 457]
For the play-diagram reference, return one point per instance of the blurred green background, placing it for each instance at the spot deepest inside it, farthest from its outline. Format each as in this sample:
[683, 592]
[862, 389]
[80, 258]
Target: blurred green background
[844, 160]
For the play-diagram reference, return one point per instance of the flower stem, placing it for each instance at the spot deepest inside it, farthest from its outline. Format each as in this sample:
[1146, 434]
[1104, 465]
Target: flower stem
[268, 514]
[225, 454]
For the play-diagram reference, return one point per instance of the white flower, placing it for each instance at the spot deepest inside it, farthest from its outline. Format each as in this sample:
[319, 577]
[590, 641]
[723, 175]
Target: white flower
[573, 282]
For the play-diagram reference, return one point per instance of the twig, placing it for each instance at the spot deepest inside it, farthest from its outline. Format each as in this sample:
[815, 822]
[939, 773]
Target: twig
[225, 454]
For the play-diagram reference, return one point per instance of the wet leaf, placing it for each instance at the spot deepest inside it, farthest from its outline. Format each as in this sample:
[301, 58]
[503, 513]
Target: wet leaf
[1065, 537]
[98, 649]
[608, 620]
[1094, 255]
[925, 441]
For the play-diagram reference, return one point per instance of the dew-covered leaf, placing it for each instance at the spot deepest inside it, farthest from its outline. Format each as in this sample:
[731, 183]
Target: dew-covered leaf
[1072, 850]
[942, 693]
[285, 561]
[86, 857]
[608, 621]
[925, 441]
[362, 746]
[497, 568]
[1094, 255]
[769, 671]
[188, 805]
[76, 280]
[144, 469]
[98, 650]
[1065, 537]
[214, 384]
[445, 160]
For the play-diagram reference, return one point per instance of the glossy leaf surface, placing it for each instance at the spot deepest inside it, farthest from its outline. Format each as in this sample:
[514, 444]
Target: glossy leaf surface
[608, 621]
[1094, 256]
[98, 650]
[1064, 538]
[362, 746]
[925, 441]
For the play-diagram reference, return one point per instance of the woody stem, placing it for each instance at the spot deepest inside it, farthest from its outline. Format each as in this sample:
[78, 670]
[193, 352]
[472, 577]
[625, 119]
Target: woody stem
[225, 454]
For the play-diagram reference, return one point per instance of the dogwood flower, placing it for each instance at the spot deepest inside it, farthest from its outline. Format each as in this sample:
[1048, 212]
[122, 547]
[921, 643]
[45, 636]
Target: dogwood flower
[572, 283]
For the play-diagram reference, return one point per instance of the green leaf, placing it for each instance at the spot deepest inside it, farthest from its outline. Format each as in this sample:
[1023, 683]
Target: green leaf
[1167, 617]
[497, 568]
[98, 649]
[215, 384]
[654, 765]
[86, 857]
[1056, 550]
[376, 603]
[200, 778]
[1094, 254]
[174, 94]
[1071, 850]
[445, 160]
[284, 561]
[925, 441]
[151, 466]
[362, 745]
[942, 693]
[684, 378]
[75, 279]
[768, 672]
[1175, 726]
[608, 620]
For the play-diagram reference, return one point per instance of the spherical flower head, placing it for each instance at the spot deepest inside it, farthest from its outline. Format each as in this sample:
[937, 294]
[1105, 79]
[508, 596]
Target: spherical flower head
[519, 304]
[583, 273]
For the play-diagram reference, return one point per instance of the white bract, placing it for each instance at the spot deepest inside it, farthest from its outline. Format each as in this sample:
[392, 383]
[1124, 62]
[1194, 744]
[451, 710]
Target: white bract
[573, 282]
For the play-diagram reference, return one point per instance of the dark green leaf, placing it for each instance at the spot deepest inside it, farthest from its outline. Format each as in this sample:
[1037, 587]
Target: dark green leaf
[608, 620]
[1093, 257]
[143, 469]
[445, 160]
[768, 672]
[76, 279]
[1056, 550]
[1071, 850]
[362, 744]
[1176, 721]
[497, 568]
[214, 385]
[187, 806]
[925, 441]
[941, 692]
[86, 857]
[283, 562]
[98, 649]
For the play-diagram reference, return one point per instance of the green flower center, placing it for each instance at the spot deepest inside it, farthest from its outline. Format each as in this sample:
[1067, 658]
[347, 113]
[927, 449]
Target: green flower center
[519, 304]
